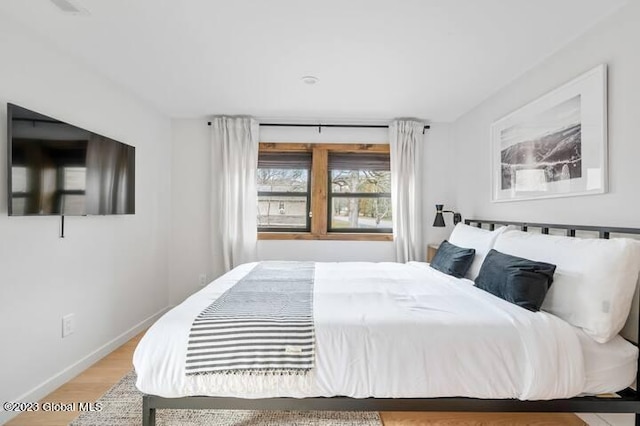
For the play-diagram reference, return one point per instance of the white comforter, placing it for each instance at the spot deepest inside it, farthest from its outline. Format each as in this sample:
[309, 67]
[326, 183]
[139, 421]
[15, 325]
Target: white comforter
[387, 330]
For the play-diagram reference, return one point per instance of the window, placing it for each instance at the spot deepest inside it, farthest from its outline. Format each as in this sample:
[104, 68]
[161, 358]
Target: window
[324, 191]
[284, 191]
[359, 192]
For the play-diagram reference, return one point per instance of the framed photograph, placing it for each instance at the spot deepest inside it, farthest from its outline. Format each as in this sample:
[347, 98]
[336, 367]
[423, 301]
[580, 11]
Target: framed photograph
[555, 146]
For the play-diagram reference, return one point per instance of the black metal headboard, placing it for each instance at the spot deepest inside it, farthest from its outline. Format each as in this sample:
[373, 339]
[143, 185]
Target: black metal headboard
[603, 231]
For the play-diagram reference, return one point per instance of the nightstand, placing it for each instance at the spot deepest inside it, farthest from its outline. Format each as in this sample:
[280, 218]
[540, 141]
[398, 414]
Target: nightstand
[431, 251]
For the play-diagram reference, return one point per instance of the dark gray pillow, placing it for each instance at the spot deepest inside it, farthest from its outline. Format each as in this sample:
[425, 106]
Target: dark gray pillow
[453, 260]
[520, 281]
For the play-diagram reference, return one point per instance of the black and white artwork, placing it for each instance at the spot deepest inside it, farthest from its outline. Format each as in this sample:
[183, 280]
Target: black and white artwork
[546, 149]
[555, 146]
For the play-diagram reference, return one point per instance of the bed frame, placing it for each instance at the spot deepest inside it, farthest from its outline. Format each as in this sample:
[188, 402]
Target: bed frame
[626, 401]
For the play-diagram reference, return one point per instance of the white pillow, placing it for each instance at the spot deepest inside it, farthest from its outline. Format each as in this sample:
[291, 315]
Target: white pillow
[481, 240]
[594, 281]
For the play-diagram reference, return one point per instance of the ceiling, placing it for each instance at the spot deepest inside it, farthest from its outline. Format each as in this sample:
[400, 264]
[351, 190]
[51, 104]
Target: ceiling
[431, 59]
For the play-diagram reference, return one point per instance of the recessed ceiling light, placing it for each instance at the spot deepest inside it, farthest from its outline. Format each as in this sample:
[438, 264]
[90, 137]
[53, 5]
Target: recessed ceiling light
[310, 79]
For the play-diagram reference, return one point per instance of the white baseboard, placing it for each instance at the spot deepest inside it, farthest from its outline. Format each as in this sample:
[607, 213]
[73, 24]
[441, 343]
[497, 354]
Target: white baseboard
[611, 419]
[53, 383]
[592, 419]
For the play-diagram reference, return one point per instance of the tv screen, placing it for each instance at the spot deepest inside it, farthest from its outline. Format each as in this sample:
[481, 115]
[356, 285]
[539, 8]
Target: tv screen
[56, 168]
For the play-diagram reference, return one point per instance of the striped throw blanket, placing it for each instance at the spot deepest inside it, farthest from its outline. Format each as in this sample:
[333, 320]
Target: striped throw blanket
[263, 325]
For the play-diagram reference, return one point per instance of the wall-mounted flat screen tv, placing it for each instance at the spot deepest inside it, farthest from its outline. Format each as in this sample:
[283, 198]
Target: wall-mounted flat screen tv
[56, 168]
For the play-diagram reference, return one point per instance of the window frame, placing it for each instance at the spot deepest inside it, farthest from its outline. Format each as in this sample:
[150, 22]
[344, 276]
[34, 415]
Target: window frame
[319, 178]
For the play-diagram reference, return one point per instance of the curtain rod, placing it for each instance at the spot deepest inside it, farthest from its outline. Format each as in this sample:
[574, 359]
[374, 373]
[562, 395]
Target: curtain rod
[320, 126]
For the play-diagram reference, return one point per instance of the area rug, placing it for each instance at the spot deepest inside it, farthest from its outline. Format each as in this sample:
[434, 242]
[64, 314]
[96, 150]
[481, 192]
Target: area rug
[122, 406]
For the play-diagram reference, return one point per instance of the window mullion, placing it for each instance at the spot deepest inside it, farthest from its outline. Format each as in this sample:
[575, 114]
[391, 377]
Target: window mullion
[319, 181]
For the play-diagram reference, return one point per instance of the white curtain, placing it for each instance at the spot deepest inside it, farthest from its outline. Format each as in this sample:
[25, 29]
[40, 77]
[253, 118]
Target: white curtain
[405, 140]
[234, 149]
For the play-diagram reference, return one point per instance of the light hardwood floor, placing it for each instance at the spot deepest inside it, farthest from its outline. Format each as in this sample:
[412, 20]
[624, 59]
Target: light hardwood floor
[97, 379]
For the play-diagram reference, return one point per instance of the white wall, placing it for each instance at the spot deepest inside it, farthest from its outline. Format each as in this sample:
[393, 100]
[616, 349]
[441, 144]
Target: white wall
[615, 42]
[439, 181]
[111, 271]
[190, 247]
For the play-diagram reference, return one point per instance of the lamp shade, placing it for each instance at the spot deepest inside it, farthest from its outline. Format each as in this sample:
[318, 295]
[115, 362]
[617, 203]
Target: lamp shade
[439, 220]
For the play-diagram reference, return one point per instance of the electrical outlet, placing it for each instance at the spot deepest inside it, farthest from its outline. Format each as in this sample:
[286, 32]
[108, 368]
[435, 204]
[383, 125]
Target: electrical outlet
[203, 279]
[68, 324]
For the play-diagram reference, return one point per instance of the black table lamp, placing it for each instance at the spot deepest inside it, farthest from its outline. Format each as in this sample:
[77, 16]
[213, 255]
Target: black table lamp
[439, 220]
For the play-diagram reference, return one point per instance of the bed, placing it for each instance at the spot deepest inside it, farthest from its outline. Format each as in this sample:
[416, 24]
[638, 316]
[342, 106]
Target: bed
[405, 337]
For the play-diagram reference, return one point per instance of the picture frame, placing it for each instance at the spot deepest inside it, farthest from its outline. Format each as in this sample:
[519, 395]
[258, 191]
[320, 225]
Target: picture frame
[554, 146]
